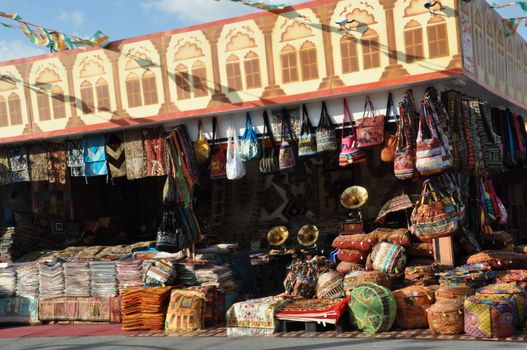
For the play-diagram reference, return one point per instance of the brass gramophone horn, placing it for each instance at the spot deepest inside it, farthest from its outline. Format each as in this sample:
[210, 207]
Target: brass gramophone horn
[277, 235]
[308, 235]
[354, 197]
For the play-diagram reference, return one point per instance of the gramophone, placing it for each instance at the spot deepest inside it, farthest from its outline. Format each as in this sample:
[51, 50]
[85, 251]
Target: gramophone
[354, 198]
[308, 237]
[276, 237]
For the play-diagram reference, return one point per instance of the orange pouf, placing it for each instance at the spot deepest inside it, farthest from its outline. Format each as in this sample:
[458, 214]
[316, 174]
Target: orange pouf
[412, 303]
[446, 317]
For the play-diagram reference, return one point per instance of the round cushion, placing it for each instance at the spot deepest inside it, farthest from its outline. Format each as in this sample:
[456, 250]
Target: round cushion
[388, 257]
[412, 303]
[459, 293]
[345, 267]
[446, 317]
[488, 318]
[329, 285]
[360, 241]
[373, 308]
[352, 255]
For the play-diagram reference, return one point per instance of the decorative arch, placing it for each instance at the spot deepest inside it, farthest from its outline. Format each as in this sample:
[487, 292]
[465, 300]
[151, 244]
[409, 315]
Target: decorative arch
[240, 41]
[413, 41]
[500, 43]
[491, 62]
[102, 91]
[15, 109]
[349, 54]
[437, 37]
[188, 51]
[58, 102]
[361, 17]
[478, 38]
[87, 97]
[289, 62]
[199, 79]
[138, 59]
[371, 52]
[416, 8]
[91, 68]
[234, 74]
[47, 76]
[296, 30]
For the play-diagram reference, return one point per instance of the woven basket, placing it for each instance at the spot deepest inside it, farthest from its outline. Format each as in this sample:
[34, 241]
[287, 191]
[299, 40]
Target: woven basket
[459, 293]
[412, 303]
[446, 317]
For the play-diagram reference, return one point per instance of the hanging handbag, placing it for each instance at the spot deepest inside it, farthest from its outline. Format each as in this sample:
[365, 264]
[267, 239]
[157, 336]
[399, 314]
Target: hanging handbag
[269, 162]
[249, 146]
[435, 215]
[432, 157]
[349, 152]
[217, 162]
[390, 142]
[286, 157]
[370, 129]
[404, 161]
[307, 142]
[201, 146]
[234, 167]
[326, 134]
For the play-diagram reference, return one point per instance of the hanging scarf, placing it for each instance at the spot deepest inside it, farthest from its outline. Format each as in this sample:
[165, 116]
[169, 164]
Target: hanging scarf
[94, 156]
[134, 158]
[75, 158]
[115, 155]
[57, 163]
[38, 163]
[19, 164]
[154, 146]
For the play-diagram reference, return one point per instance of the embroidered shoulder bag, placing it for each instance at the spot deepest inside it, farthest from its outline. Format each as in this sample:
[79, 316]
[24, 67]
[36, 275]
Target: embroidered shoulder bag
[326, 135]
[370, 129]
[286, 157]
[404, 161]
[307, 142]
[218, 160]
[349, 152]
[269, 162]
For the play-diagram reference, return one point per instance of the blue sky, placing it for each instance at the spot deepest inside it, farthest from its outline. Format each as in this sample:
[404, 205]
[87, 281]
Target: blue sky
[126, 18]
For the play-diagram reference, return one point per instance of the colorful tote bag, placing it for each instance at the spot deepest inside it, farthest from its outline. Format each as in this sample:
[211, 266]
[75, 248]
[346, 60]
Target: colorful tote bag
[307, 141]
[5, 171]
[115, 155]
[373, 308]
[370, 129]
[249, 146]
[201, 146]
[269, 162]
[489, 319]
[185, 310]
[349, 152]
[286, 157]
[404, 161]
[154, 145]
[326, 135]
[57, 163]
[38, 163]
[19, 164]
[94, 155]
[218, 170]
[134, 154]
[234, 166]
[388, 257]
[75, 158]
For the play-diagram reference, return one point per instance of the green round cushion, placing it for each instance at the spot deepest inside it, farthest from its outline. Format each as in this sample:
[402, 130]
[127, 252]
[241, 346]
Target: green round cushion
[373, 308]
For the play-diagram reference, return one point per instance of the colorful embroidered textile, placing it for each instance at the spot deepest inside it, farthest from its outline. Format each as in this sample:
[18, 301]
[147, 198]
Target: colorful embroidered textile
[74, 309]
[211, 309]
[19, 164]
[387, 257]
[154, 146]
[505, 291]
[38, 163]
[185, 310]
[302, 278]
[115, 155]
[329, 285]
[314, 310]
[133, 150]
[353, 256]
[19, 310]
[5, 171]
[394, 205]
[75, 158]
[345, 267]
[498, 259]
[489, 319]
[373, 308]
[57, 163]
[145, 308]
[253, 317]
[94, 156]
[360, 241]
[471, 275]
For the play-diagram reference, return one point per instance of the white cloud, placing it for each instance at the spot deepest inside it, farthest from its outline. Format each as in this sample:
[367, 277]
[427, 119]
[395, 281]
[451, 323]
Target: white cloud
[76, 17]
[200, 11]
[18, 49]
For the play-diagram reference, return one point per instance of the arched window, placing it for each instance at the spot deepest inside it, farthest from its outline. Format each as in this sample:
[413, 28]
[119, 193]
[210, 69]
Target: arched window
[44, 112]
[103, 95]
[149, 88]
[289, 64]
[87, 99]
[413, 42]
[437, 37]
[491, 64]
[199, 79]
[133, 90]
[308, 61]
[234, 74]
[252, 70]
[4, 119]
[478, 39]
[182, 82]
[370, 49]
[348, 52]
[15, 109]
[57, 101]
[500, 38]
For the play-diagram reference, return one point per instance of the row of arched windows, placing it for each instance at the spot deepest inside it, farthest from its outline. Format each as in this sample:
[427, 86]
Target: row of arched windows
[10, 110]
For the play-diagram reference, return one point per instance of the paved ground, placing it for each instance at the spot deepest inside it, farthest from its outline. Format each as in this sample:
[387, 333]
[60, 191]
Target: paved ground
[205, 343]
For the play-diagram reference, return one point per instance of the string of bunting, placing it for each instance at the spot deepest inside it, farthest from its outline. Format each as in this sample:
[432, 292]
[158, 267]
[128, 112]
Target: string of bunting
[260, 4]
[53, 39]
[522, 4]
[511, 24]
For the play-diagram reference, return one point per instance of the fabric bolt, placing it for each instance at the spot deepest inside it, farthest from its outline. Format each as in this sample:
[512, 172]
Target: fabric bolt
[95, 155]
[38, 163]
[373, 308]
[57, 163]
[133, 150]
[75, 158]
[185, 310]
[115, 155]
[19, 164]
[154, 146]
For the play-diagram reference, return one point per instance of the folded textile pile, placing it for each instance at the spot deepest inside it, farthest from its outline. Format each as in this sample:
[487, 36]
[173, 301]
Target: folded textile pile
[51, 280]
[7, 282]
[15, 242]
[160, 272]
[103, 276]
[220, 276]
[27, 280]
[86, 309]
[314, 310]
[19, 310]
[145, 308]
[129, 273]
[422, 275]
[76, 279]
[471, 275]
[186, 271]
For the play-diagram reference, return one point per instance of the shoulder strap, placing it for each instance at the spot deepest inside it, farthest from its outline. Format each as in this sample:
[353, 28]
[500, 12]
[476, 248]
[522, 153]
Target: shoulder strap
[347, 115]
[307, 127]
[390, 108]
[214, 127]
[368, 108]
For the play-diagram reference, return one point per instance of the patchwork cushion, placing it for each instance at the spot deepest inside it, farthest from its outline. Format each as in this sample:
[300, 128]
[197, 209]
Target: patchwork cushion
[388, 257]
[185, 311]
[489, 319]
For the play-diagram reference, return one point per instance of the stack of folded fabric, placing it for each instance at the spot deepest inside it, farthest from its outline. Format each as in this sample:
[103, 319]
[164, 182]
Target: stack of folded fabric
[314, 310]
[51, 280]
[129, 273]
[103, 279]
[161, 272]
[220, 276]
[186, 271]
[422, 275]
[145, 308]
[77, 279]
[7, 282]
[471, 275]
[27, 280]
